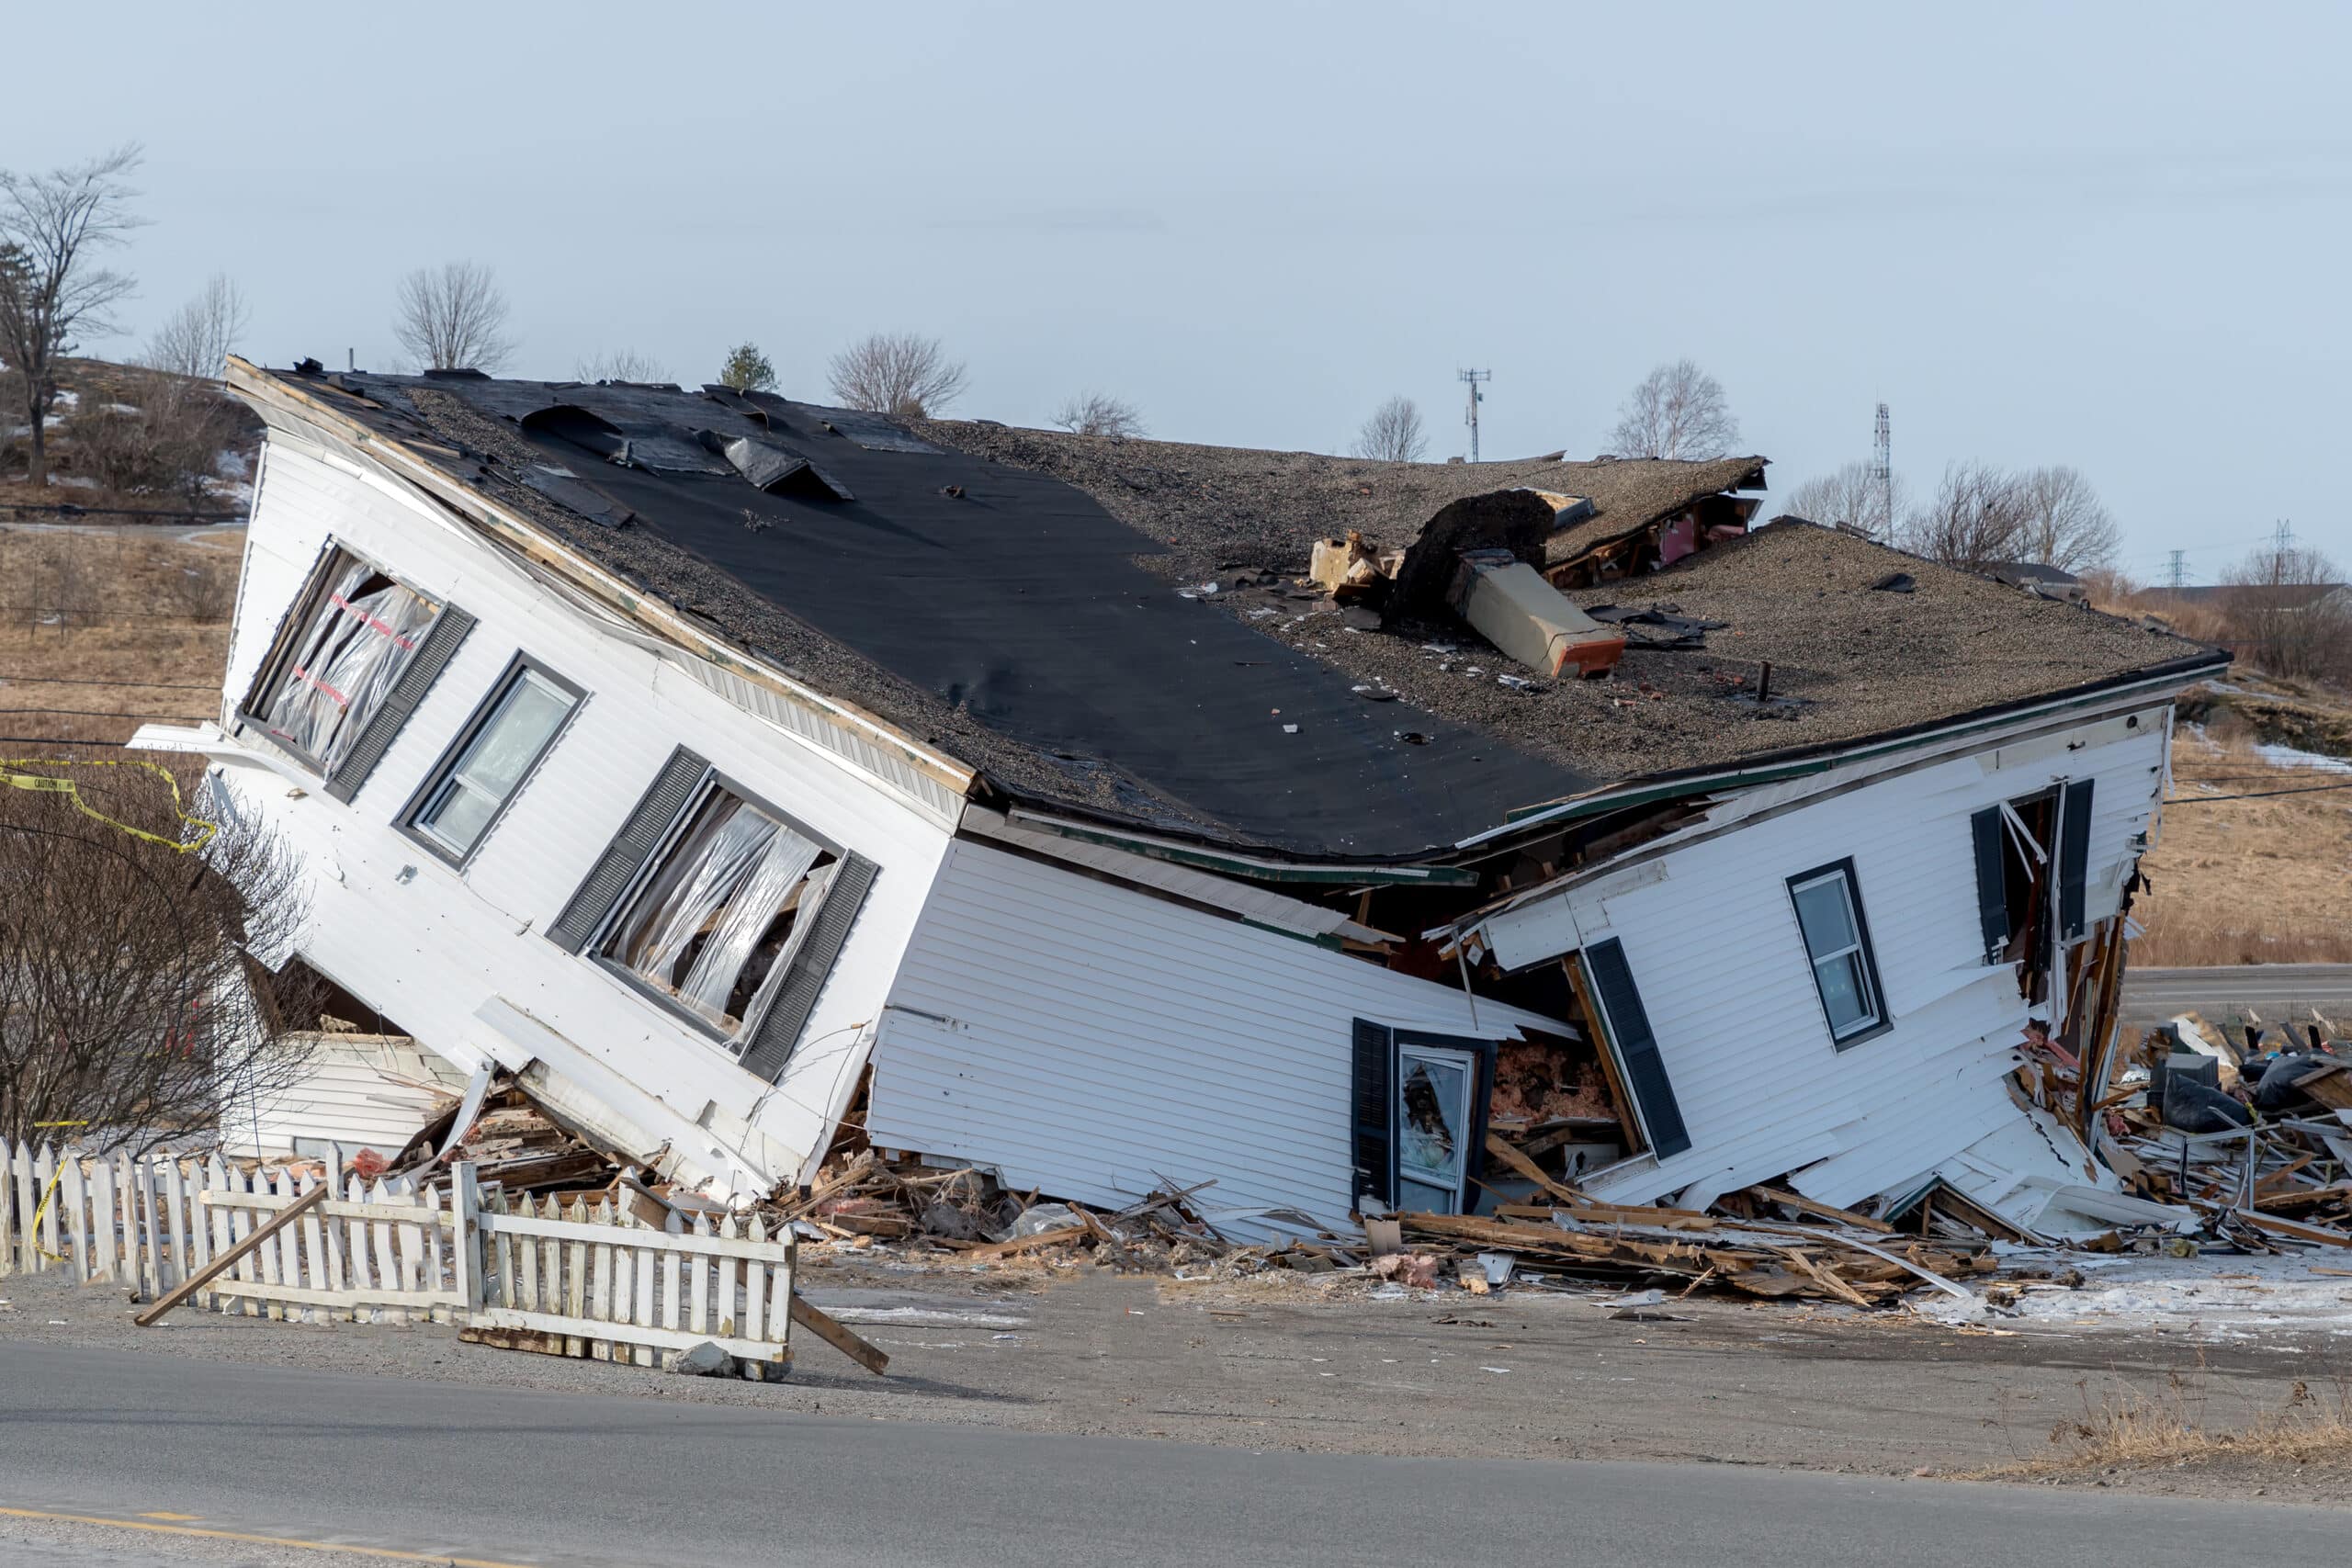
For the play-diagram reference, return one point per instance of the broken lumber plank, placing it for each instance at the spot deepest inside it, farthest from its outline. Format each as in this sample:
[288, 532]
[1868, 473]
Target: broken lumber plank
[1028, 1243]
[829, 1329]
[223, 1262]
[1533, 1172]
[2294, 1230]
[1827, 1277]
[1822, 1211]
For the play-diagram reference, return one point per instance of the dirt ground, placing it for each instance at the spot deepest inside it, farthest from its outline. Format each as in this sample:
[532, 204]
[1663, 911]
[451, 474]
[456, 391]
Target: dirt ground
[1318, 1363]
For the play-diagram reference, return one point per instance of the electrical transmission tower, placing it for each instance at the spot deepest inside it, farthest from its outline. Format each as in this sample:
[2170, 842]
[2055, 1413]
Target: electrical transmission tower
[1882, 474]
[1472, 378]
[2177, 573]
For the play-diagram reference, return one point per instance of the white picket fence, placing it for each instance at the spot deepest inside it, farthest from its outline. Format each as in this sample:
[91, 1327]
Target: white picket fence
[579, 1277]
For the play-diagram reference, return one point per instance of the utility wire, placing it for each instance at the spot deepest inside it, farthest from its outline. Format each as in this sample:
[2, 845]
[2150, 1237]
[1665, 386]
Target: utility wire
[92, 713]
[2251, 794]
[80, 681]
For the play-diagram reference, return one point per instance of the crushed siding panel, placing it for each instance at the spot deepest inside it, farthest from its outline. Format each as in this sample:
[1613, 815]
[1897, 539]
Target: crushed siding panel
[1089, 1039]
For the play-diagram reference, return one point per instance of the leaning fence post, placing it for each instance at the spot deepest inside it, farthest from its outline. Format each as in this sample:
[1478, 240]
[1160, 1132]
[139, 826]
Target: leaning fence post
[465, 1241]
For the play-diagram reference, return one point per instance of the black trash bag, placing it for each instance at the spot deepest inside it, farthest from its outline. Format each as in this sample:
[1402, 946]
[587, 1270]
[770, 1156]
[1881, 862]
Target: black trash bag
[2191, 1107]
[2277, 1093]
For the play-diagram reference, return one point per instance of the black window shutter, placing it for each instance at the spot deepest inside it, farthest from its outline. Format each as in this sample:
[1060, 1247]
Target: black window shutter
[2074, 857]
[1637, 1053]
[1375, 1102]
[384, 726]
[779, 1028]
[639, 836]
[1992, 881]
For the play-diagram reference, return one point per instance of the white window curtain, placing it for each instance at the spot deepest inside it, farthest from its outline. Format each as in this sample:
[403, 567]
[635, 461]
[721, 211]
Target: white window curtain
[349, 657]
[730, 877]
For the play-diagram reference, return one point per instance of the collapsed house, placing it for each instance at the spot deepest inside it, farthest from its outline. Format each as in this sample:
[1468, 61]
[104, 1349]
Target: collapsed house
[731, 771]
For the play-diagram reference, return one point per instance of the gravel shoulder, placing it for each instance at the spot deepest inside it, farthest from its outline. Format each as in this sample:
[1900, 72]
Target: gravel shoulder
[1315, 1364]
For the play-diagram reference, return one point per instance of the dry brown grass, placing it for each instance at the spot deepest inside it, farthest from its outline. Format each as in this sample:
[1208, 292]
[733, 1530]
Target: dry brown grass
[2262, 881]
[101, 628]
[2132, 1429]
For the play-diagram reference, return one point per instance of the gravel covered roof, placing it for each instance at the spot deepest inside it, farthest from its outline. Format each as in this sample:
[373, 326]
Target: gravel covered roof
[1472, 732]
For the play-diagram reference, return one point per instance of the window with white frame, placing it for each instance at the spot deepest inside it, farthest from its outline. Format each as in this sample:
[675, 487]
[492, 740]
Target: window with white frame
[1837, 939]
[720, 912]
[478, 777]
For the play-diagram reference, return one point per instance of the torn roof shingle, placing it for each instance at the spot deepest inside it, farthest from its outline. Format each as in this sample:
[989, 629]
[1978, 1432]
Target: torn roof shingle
[1034, 605]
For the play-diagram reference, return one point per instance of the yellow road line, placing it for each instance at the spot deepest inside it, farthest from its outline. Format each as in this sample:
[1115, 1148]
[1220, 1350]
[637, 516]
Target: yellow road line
[388, 1553]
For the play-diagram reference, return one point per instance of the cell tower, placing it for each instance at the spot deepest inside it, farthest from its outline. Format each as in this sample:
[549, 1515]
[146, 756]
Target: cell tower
[1472, 378]
[1882, 474]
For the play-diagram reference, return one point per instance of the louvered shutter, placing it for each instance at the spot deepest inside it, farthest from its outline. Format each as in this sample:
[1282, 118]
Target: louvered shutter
[384, 726]
[1992, 882]
[1637, 1054]
[779, 1028]
[1373, 1097]
[639, 836]
[2074, 857]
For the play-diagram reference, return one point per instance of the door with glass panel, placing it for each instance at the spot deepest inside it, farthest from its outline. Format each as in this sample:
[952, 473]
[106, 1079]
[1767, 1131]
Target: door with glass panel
[1436, 1090]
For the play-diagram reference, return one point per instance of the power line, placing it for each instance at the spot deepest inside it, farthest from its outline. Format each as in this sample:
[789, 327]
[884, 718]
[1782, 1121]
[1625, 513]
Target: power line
[90, 713]
[82, 680]
[2253, 794]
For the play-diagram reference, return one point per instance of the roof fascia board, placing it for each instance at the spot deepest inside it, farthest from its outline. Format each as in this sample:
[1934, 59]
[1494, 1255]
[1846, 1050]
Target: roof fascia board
[1701, 831]
[397, 463]
[1250, 867]
[2128, 693]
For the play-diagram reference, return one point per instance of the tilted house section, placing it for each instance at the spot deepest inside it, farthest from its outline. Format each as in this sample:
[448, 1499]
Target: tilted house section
[729, 766]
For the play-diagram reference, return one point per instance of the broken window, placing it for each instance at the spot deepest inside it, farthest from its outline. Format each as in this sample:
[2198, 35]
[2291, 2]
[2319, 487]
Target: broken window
[482, 772]
[2032, 858]
[352, 662]
[1420, 1101]
[1830, 915]
[720, 909]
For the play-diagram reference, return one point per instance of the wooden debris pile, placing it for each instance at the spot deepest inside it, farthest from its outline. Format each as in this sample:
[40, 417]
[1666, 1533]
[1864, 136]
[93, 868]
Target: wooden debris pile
[514, 1144]
[860, 1199]
[2252, 1128]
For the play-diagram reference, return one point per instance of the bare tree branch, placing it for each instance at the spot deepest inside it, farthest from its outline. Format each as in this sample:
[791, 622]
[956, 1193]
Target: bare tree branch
[621, 365]
[453, 318]
[1979, 514]
[50, 289]
[1099, 414]
[199, 337]
[1679, 411]
[1393, 433]
[895, 373]
[1851, 498]
[2066, 524]
[2289, 613]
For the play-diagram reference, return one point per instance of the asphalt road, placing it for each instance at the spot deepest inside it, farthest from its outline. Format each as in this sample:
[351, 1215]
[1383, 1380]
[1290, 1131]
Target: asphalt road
[2278, 991]
[499, 1477]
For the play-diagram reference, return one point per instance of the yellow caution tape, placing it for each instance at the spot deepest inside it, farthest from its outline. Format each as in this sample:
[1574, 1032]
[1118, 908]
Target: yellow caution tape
[47, 784]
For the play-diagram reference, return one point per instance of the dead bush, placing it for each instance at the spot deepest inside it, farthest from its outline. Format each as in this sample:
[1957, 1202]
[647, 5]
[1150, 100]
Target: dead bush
[166, 443]
[2132, 1428]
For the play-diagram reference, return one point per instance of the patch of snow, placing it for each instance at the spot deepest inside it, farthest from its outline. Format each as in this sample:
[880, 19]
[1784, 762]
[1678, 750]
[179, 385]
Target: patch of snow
[77, 481]
[123, 408]
[68, 399]
[230, 464]
[2205, 1297]
[2287, 757]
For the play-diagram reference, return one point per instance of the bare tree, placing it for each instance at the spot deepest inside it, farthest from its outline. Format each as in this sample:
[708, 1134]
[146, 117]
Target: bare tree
[453, 318]
[2066, 524]
[198, 337]
[50, 288]
[621, 365]
[2289, 613]
[1393, 433]
[747, 369]
[1851, 498]
[1099, 414]
[129, 993]
[895, 373]
[1679, 411]
[1979, 514]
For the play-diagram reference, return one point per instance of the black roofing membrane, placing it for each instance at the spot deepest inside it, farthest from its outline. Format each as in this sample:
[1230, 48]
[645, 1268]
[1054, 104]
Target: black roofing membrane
[1020, 602]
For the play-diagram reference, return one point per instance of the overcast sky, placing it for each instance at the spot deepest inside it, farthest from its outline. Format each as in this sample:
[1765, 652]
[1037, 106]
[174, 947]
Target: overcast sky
[2113, 236]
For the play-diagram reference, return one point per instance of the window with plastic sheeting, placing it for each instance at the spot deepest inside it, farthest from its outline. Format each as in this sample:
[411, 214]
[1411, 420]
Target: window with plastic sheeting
[717, 916]
[356, 631]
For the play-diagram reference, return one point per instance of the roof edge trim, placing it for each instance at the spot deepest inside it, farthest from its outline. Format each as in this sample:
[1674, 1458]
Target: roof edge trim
[266, 390]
